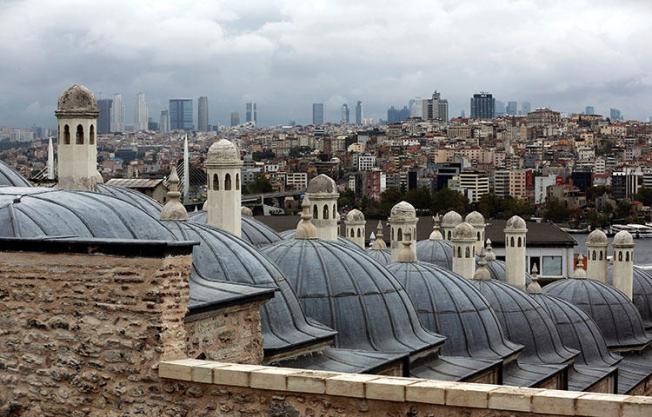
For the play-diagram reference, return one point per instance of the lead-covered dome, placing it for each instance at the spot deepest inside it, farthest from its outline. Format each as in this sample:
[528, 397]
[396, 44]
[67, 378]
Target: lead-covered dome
[252, 231]
[321, 184]
[382, 256]
[403, 209]
[438, 252]
[449, 304]
[597, 238]
[475, 219]
[515, 223]
[77, 99]
[616, 316]
[451, 219]
[623, 238]
[353, 294]
[642, 295]
[464, 231]
[222, 151]
[11, 178]
[354, 216]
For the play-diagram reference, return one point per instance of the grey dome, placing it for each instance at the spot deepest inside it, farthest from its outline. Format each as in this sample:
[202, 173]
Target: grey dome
[222, 257]
[353, 294]
[289, 235]
[451, 219]
[354, 216]
[623, 238]
[12, 178]
[437, 252]
[516, 223]
[616, 316]
[642, 295]
[321, 184]
[403, 209]
[526, 322]
[449, 304]
[474, 218]
[77, 98]
[222, 151]
[382, 256]
[252, 231]
[497, 270]
[138, 199]
[464, 231]
[597, 238]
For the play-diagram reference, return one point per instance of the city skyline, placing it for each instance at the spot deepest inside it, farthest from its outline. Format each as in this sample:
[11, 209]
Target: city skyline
[289, 56]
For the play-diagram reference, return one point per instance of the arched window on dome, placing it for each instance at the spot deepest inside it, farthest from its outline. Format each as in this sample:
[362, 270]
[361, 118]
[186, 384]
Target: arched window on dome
[227, 182]
[315, 212]
[467, 252]
[237, 181]
[392, 233]
[600, 256]
[479, 236]
[519, 242]
[216, 183]
[620, 256]
[511, 241]
[91, 135]
[79, 136]
[359, 233]
[459, 251]
[627, 256]
[326, 212]
[352, 233]
[399, 234]
[66, 135]
[593, 256]
[334, 212]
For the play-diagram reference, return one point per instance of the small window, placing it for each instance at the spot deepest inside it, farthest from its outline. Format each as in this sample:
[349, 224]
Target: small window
[334, 212]
[66, 135]
[593, 256]
[352, 233]
[392, 233]
[399, 234]
[91, 135]
[315, 212]
[359, 233]
[511, 241]
[449, 235]
[227, 182]
[600, 255]
[59, 134]
[627, 256]
[479, 236]
[237, 181]
[468, 252]
[519, 242]
[326, 212]
[620, 256]
[216, 182]
[459, 251]
[79, 137]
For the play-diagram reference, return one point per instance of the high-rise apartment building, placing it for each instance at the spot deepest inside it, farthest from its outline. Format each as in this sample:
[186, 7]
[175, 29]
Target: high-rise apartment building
[443, 110]
[525, 107]
[358, 113]
[140, 116]
[117, 114]
[512, 108]
[202, 114]
[589, 110]
[251, 114]
[615, 114]
[235, 118]
[397, 116]
[482, 106]
[104, 119]
[345, 114]
[164, 122]
[499, 108]
[474, 185]
[181, 114]
[317, 114]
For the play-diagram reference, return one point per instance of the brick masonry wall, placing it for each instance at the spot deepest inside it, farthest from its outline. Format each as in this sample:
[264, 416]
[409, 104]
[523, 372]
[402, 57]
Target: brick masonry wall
[232, 335]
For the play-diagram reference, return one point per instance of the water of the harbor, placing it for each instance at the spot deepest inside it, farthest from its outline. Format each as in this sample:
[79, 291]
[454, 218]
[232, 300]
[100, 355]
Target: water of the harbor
[642, 249]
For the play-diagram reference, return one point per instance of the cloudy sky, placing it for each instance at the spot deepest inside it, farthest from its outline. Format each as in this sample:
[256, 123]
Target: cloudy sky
[288, 54]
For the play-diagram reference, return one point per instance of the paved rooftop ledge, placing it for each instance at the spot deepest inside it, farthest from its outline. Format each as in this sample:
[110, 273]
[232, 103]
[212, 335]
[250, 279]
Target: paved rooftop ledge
[378, 387]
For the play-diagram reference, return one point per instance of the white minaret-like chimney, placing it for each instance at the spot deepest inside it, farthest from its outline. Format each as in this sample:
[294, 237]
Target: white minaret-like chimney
[322, 195]
[186, 169]
[476, 220]
[515, 251]
[596, 252]
[449, 222]
[50, 159]
[379, 240]
[403, 228]
[354, 227]
[623, 271]
[223, 168]
[463, 240]
[77, 149]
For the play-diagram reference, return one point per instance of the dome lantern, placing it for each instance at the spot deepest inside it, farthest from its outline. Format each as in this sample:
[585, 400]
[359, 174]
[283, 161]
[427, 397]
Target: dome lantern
[403, 226]
[463, 239]
[515, 251]
[436, 232]
[477, 220]
[322, 194]
[596, 253]
[623, 272]
[223, 169]
[354, 227]
[448, 223]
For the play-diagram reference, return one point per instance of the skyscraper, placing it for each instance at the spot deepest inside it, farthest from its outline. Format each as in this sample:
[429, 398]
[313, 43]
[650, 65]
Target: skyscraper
[235, 118]
[615, 114]
[251, 114]
[317, 114]
[589, 110]
[164, 122]
[117, 114]
[104, 119]
[482, 106]
[525, 107]
[202, 114]
[345, 114]
[358, 113]
[499, 108]
[443, 110]
[181, 114]
[140, 117]
[512, 108]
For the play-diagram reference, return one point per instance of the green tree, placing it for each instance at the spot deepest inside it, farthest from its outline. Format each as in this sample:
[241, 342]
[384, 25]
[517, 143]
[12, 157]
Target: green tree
[446, 199]
[644, 196]
[420, 198]
[388, 199]
[260, 185]
[556, 211]
[346, 199]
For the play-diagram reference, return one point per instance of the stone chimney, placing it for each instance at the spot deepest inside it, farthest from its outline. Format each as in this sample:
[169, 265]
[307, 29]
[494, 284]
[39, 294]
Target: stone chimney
[322, 194]
[476, 220]
[463, 240]
[354, 227]
[448, 223]
[403, 228]
[223, 168]
[596, 251]
[623, 271]
[515, 251]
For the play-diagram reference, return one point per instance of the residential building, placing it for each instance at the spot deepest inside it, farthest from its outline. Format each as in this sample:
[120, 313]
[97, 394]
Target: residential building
[366, 162]
[626, 183]
[345, 114]
[358, 113]
[482, 106]
[235, 118]
[512, 109]
[141, 116]
[117, 114]
[181, 117]
[251, 114]
[518, 184]
[474, 185]
[543, 117]
[317, 114]
[296, 181]
[202, 114]
[541, 184]
[164, 122]
[501, 183]
[104, 119]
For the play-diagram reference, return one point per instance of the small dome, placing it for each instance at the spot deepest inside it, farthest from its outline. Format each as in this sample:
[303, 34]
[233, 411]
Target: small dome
[403, 210]
[526, 322]
[353, 294]
[12, 178]
[616, 316]
[382, 256]
[252, 231]
[354, 216]
[77, 99]
[451, 219]
[437, 252]
[246, 211]
[349, 244]
[642, 295]
[223, 151]
[497, 270]
[321, 184]
[449, 304]
[516, 223]
[597, 238]
[464, 231]
[623, 238]
[475, 219]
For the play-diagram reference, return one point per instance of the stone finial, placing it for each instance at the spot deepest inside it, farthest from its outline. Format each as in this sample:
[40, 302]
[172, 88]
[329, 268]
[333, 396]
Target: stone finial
[173, 209]
[534, 287]
[305, 228]
[491, 255]
[406, 254]
[482, 272]
[436, 232]
[579, 268]
[246, 211]
[379, 242]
